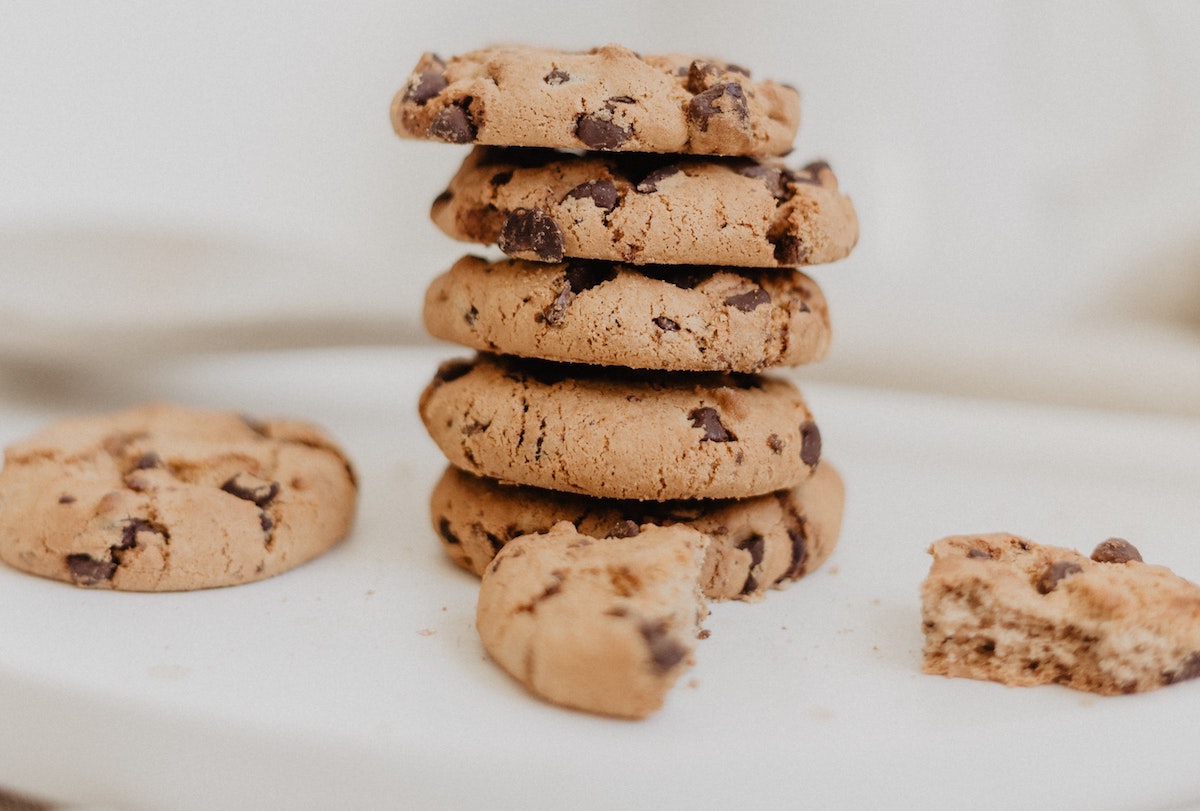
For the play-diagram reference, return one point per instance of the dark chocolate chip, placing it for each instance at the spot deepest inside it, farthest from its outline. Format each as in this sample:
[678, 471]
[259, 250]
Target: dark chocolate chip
[453, 124]
[452, 370]
[600, 133]
[130, 531]
[427, 85]
[1056, 573]
[500, 178]
[267, 523]
[532, 230]
[556, 77]
[471, 315]
[602, 192]
[473, 428]
[701, 75]
[66, 498]
[978, 553]
[810, 443]
[87, 571]
[789, 250]
[707, 418]
[774, 177]
[799, 538]
[750, 300]
[1116, 550]
[496, 541]
[721, 99]
[649, 183]
[620, 100]
[775, 443]
[556, 312]
[812, 173]
[260, 492]
[666, 324]
[1189, 668]
[732, 68]
[626, 528]
[148, 460]
[754, 545]
[665, 652]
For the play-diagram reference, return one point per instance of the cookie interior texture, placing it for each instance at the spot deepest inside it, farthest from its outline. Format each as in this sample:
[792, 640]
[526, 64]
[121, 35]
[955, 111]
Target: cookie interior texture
[605, 627]
[164, 498]
[1003, 608]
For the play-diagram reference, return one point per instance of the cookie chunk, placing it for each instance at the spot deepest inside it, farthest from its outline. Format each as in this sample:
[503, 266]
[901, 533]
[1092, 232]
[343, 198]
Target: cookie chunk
[621, 434]
[605, 627]
[649, 317]
[165, 498]
[607, 98]
[1003, 608]
[755, 544]
[544, 205]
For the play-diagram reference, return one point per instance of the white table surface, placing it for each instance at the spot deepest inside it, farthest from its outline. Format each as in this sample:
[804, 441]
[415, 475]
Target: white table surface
[358, 680]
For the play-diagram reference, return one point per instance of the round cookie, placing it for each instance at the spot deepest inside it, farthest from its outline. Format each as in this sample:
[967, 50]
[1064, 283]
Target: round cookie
[602, 627]
[544, 205]
[755, 544]
[704, 319]
[166, 498]
[607, 98]
[621, 433]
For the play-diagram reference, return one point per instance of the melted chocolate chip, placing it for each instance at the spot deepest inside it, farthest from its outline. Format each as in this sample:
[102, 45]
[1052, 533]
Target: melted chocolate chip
[665, 652]
[726, 98]
[666, 324]
[556, 77]
[649, 183]
[260, 492]
[1116, 550]
[748, 301]
[810, 443]
[531, 230]
[707, 418]
[624, 529]
[453, 124]
[1055, 573]
[597, 132]
[601, 192]
[427, 85]
[87, 571]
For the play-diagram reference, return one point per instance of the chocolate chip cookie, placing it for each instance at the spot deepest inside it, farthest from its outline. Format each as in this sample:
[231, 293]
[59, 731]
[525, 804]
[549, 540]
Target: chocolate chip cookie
[755, 544]
[607, 98]
[1003, 608]
[165, 498]
[647, 317]
[606, 627]
[628, 435]
[545, 205]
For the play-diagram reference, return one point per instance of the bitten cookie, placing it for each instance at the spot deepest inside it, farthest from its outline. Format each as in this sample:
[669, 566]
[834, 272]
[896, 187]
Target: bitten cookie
[631, 435]
[165, 498]
[755, 544]
[647, 209]
[1003, 608]
[607, 98]
[605, 627]
[698, 319]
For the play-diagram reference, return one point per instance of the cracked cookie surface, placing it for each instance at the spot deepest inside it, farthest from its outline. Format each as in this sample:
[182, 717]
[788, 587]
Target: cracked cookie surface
[648, 317]
[624, 434]
[755, 544]
[606, 627]
[608, 98]
[166, 498]
[545, 205]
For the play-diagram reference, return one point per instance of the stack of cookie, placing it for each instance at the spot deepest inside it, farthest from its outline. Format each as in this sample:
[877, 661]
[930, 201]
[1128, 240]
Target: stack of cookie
[652, 238]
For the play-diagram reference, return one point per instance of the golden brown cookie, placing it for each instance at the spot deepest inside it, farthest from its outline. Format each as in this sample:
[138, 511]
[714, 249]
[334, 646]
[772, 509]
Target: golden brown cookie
[164, 498]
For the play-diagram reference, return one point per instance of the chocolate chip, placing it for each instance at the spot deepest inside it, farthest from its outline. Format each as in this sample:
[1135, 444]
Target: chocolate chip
[66, 498]
[496, 541]
[810, 443]
[88, 571]
[701, 75]
[649, 183]
[1189, 668]
[666, 324]
[748, 301]
[427, 85]
[707, 418]
[1116, 550]
[500, 178]
[774, 177]
[532, 230]
[602, 192]
[721, 99]
[267, 523]
[473, 428]
[453, 124]
[471, 315]
[556, 312]
[148, 460]
[624, 529]
[798, 534]
[665, 652]
[452, 370]
[597, 132]
[978, 553]
[732, 68]
[812, 173]
[257, 490]
[1056, 573]
[789, 250]
[775, 443]
[754, 545]
[556, 77]
[130, 531]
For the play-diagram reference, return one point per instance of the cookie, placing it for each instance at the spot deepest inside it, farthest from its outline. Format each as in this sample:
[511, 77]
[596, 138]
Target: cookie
[165, 498]
[1003, 608]
[629, 435]
[755, 544]
[605, 627]
[607, 98]
[648, 317]
[544, 205]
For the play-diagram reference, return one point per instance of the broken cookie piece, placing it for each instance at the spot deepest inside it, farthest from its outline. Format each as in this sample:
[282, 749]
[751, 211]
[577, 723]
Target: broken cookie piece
[167, 498]
[606, 626]
[1003, 608]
